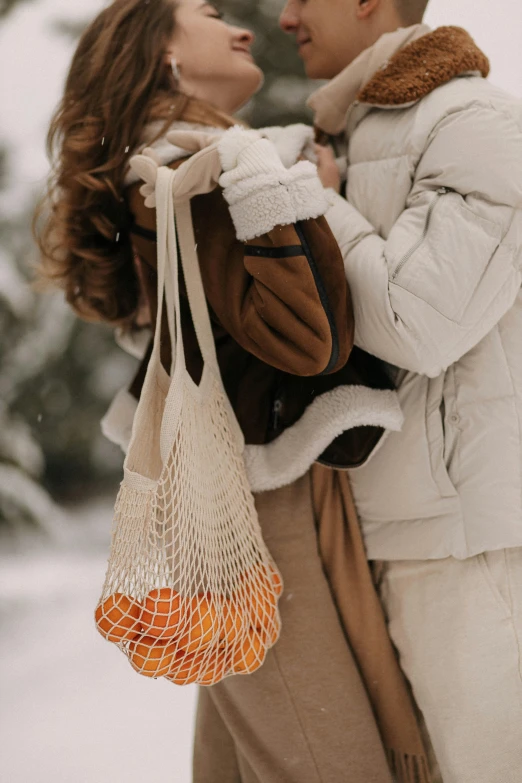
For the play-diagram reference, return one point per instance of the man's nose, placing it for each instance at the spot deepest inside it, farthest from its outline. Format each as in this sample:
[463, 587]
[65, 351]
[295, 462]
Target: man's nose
[289, 19]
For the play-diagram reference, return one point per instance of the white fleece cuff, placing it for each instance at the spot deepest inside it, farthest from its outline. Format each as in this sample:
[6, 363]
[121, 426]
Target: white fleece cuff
[260, 203]
[290, 456]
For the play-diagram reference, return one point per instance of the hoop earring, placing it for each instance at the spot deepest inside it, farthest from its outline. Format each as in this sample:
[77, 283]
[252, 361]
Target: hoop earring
[175, 69]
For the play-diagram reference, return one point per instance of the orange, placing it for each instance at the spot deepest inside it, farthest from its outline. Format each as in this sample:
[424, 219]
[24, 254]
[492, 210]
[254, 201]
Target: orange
[249, 655]
[277, 582]
[161, 613]
[215, 669]
[201, 625]
[118, 618]
[186, 668]
[260, 591]
[263, 605]
[233, 622]
[270, 578]
[151, 657]
[270, 634]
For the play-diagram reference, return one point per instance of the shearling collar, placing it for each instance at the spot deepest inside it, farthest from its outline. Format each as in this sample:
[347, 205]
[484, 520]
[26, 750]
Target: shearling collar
[399, 70]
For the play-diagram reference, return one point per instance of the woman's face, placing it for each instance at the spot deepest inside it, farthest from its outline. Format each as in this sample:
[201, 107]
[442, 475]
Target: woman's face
[213, 57]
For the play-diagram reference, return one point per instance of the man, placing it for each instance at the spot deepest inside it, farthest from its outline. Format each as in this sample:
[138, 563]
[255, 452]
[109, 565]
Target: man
[431, 233]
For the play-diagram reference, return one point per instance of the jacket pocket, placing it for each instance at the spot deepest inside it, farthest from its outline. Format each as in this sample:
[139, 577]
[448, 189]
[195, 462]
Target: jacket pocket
[494, 567]
[446, 264]
[418, 244]
[438, 445]
[406, 478]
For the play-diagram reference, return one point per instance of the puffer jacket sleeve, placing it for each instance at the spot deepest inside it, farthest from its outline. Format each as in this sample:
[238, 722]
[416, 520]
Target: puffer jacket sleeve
[282, 296]
[451, 266]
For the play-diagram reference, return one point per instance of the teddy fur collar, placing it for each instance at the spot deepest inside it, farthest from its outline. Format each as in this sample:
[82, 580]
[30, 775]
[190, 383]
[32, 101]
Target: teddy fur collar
[399, 70]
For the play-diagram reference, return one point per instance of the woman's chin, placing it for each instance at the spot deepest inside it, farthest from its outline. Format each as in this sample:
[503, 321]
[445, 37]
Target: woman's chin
[256, 80]
[260, 79]
[252, 82]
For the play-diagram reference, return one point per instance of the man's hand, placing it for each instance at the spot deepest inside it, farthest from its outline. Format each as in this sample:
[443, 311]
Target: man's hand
[327, 168]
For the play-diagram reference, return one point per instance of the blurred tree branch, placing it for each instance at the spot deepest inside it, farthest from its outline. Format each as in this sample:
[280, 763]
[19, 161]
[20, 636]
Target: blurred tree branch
[6, 6]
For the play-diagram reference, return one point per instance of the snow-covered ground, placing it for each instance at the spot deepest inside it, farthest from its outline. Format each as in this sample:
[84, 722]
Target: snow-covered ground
[71, 708]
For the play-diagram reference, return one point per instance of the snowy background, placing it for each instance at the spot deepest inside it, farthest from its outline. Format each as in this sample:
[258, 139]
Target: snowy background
[71, 709]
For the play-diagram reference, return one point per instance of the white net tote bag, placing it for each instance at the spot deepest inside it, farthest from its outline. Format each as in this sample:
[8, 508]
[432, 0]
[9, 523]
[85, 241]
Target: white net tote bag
[191, 591]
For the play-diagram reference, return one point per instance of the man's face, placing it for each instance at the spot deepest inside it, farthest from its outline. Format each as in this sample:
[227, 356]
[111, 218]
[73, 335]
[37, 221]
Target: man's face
[326, 32]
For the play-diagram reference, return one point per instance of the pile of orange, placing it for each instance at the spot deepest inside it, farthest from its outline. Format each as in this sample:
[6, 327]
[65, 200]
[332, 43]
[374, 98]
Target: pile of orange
[198, 639]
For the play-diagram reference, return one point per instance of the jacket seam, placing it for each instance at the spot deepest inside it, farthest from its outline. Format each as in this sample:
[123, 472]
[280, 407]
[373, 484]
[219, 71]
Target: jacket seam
[465, 327]
[514, 387]
[385, 158]
[472, 105]
[323, 296]
[441, 363]
[297, 715]
[285, 251]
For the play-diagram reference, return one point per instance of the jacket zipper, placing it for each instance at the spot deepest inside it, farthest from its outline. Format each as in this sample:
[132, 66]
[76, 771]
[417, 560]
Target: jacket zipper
[277, 410]
[404, 260]
[277, 403]
[334, 356]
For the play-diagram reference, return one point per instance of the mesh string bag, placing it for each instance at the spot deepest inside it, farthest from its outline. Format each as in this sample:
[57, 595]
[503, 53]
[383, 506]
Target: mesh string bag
[191, 591]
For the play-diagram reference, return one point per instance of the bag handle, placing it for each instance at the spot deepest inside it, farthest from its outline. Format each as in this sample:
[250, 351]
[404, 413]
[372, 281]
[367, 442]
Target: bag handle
[198, 305]
[166, 289]
[175, 225]
[167, 266]
[174, 222]
[194, 284]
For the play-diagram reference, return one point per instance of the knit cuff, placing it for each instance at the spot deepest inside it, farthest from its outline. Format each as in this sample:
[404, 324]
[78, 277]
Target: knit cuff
[244, 156]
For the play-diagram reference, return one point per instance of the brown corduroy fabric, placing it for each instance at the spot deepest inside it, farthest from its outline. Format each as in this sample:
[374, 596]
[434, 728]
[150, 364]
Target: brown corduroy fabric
[344, 560]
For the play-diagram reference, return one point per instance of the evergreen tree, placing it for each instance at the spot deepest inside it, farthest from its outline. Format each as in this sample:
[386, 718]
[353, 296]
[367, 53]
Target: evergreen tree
[57, 377]
[6, 6]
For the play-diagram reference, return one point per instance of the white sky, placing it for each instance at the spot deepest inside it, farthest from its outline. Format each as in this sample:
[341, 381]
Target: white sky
[34, 60]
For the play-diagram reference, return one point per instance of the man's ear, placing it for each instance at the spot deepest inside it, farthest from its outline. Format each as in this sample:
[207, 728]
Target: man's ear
[365, 8]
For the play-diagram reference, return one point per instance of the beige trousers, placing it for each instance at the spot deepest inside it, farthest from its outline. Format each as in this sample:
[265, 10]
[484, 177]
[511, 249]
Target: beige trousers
[458, 628]
[304, 717]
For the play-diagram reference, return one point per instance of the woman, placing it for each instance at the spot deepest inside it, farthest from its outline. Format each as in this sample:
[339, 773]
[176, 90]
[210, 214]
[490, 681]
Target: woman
[329, 703]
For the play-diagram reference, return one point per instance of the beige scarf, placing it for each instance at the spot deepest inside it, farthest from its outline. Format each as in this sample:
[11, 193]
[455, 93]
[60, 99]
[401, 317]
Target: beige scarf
[346, 566]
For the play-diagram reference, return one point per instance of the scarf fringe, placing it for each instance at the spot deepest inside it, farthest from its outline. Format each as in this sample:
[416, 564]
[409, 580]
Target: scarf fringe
[409, 769]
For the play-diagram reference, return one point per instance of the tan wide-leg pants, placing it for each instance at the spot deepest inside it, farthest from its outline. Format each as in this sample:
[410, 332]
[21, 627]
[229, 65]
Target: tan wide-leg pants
[457, 625]
[304, 717]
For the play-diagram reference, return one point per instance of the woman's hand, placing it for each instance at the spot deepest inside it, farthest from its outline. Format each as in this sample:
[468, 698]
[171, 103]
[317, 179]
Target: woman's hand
[327, 168]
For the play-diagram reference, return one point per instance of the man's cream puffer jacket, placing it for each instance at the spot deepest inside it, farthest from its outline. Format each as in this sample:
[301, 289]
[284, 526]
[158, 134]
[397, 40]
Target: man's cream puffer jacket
[432, 241]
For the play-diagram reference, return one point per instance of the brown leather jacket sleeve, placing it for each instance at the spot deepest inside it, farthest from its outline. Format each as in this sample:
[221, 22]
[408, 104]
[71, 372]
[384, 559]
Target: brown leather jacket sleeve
[283, 297]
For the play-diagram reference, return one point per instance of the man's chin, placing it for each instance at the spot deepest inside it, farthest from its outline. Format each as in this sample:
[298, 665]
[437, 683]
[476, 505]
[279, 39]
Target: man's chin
[315, 69]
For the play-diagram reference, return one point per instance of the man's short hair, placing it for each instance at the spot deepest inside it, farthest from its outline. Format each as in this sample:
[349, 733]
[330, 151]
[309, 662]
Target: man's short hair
[411, 11]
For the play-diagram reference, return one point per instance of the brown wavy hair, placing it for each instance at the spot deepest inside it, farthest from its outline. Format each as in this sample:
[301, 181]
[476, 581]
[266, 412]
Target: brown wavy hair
[117, 84]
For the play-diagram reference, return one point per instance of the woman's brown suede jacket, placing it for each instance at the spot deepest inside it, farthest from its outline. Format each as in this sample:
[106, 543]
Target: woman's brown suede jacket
[282, 319]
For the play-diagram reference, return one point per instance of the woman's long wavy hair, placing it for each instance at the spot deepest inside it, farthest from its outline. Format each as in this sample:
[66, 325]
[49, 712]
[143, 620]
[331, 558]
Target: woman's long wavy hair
[118, 83]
